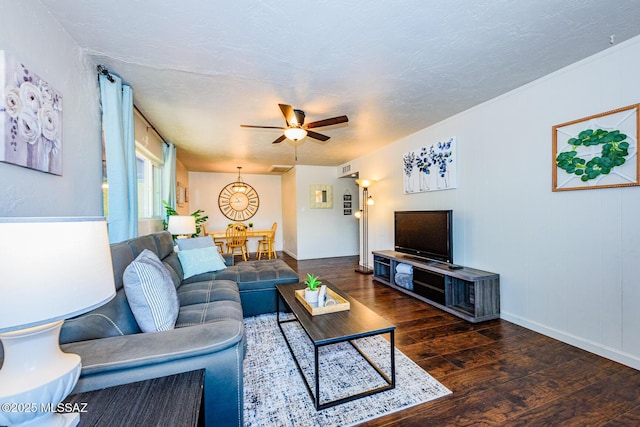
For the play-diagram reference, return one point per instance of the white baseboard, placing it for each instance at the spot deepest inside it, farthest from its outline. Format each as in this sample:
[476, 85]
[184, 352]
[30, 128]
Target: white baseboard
[590, 346]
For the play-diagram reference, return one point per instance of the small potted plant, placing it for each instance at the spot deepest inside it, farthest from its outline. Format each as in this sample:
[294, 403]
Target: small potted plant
[311, 292]
[250, 225]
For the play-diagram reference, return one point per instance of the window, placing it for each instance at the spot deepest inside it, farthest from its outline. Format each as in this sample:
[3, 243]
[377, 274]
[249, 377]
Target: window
[149, 175]
[148, 163]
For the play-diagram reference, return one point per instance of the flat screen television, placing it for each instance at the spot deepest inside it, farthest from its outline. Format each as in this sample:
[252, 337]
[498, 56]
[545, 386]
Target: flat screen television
[425, 234]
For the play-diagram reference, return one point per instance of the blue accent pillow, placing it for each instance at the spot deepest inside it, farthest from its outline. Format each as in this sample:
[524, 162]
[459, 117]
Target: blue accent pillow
[198, 261]
[151, 293]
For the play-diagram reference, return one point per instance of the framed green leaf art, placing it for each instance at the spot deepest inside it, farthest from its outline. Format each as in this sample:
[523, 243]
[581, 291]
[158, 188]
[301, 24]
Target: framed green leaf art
[599, 151]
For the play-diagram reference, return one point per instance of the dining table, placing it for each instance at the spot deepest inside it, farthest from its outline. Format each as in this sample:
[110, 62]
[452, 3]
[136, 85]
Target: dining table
[259, 233]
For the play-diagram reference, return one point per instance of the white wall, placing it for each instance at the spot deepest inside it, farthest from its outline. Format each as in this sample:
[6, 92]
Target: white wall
[205, 187]
[28, 32]
[324, 233]
[568, 261]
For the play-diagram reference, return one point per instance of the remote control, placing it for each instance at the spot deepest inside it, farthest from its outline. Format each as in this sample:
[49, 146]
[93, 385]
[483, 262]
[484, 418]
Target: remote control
[455, 267]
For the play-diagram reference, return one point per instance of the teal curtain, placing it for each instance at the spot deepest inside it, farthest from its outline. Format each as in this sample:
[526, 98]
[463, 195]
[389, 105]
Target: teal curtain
[119, 143]
[169, 176]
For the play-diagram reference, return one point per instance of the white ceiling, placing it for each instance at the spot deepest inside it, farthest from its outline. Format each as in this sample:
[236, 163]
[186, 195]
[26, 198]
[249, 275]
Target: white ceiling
[200, 68]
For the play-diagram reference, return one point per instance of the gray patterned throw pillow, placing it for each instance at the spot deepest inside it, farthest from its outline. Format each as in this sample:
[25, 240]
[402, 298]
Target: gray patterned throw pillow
[151, 293]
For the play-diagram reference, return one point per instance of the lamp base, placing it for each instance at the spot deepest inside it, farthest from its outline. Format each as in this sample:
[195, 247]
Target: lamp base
[36, 376]
[364, 270]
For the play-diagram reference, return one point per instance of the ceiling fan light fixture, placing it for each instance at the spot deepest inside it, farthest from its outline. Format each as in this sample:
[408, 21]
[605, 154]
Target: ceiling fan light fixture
[239, 186]
[295, 133]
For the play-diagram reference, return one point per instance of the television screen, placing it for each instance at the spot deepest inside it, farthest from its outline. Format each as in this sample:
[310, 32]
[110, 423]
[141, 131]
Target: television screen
[426, 234]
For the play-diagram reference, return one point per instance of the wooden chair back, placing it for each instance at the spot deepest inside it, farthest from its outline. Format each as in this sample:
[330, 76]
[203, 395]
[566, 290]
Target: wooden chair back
[272, 236]
[236, 234]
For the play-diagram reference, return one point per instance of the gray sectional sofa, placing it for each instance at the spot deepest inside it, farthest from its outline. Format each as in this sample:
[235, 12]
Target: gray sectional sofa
[208, 333]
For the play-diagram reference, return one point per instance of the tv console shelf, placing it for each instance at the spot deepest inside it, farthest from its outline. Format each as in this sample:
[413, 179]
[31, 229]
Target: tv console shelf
[473, 295]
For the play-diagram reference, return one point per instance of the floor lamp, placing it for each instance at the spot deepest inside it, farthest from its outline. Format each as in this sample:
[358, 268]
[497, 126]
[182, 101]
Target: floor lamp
[363, 216]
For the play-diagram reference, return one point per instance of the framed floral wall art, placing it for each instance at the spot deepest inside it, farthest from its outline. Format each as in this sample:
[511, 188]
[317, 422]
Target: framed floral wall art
[430, 168]
[30, 118]
[598, 151]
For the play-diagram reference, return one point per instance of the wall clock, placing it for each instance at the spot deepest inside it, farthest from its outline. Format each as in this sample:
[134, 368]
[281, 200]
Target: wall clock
[238, 206]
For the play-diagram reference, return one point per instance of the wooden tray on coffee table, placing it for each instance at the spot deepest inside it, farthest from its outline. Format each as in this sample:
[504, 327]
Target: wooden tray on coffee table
[341, 303]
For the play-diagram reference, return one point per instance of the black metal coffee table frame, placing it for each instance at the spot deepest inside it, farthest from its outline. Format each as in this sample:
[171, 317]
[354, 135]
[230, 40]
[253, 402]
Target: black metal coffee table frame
[333, 328]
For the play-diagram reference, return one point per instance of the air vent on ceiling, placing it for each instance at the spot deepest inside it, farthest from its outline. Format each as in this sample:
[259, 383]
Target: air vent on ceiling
[280, 168]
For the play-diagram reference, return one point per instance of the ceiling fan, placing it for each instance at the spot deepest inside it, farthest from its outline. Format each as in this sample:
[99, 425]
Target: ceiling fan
[296, 129]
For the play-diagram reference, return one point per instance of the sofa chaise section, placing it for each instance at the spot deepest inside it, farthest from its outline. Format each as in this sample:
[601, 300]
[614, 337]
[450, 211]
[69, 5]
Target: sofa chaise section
[208, 334]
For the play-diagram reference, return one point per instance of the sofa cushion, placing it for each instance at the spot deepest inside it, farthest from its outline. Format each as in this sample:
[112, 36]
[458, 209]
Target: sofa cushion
[151, 293]
[202, 260]
[212, 290]
[112, 319]
[164, 242]
[252, 275]
[139, 244]
[121, 257]
[197, 314]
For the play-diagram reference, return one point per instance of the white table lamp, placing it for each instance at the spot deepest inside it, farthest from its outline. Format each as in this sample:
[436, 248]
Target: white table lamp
[52, 269]
[182, 225]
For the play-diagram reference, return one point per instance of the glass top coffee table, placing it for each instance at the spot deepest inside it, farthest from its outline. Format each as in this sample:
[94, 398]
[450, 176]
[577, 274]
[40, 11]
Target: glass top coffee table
[332, 328]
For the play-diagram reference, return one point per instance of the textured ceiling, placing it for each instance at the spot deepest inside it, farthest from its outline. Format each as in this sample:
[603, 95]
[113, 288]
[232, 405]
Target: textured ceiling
[201, 68]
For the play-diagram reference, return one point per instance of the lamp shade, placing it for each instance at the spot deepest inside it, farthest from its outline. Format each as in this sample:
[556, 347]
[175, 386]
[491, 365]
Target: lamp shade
[182, 224]
[365, 183]
[52, 269]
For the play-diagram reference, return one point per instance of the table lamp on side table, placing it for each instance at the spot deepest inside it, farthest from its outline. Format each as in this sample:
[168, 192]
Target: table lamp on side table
[182, 225]
[51, 269]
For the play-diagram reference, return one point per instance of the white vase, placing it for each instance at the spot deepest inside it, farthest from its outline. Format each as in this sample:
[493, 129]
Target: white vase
[311, 296]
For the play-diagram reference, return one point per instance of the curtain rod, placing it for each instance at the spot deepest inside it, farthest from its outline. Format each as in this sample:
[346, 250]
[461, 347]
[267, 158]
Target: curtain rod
[152, 127]
[105, 72]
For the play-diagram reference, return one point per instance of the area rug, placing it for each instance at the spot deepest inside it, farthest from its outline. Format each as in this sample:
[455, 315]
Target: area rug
[275, 393]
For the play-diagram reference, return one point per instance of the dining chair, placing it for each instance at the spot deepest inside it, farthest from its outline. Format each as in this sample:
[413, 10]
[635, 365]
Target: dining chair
[236, 238]
[218, 243]
[266, 245]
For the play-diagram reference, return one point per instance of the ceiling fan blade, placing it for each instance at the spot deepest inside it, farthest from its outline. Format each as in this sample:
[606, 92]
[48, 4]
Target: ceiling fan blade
[327, 122]
[287, 112]
[279, 140]
[318, 136]
[261, 127]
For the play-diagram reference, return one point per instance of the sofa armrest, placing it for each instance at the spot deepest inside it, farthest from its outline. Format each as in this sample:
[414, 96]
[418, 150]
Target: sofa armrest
[137, 350]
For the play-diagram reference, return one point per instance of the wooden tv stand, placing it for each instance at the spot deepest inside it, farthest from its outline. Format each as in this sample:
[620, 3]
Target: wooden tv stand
[473, 295]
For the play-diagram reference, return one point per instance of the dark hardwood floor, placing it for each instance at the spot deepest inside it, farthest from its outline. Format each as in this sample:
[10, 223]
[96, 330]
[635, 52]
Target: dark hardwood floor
[500, 374]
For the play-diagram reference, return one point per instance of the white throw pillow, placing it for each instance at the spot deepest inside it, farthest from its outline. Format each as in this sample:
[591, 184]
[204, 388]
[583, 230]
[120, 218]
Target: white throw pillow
[151, 293]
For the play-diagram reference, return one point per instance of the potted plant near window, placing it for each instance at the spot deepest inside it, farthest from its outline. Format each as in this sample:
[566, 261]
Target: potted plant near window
[311, 292]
